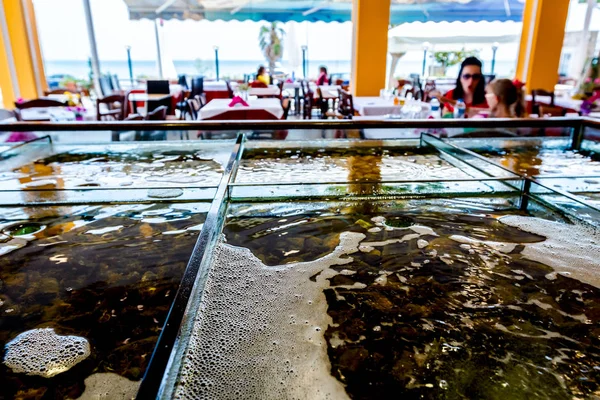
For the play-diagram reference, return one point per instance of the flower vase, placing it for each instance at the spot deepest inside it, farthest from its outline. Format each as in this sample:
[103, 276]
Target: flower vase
[244, 95]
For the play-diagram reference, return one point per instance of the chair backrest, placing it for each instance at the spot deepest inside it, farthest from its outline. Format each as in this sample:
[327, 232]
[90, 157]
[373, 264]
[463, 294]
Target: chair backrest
[182, 80]
[200, 99]
[193, 107]
[280, 86]
[159, 114]
[308, 104]
[158, 87]
[304, 88]
[59, 91]
[197, 86]
[346, 104]
[229, 90]
[38, 103]
[115, 108]
[535, 106]
[105, 85]
[286, 104]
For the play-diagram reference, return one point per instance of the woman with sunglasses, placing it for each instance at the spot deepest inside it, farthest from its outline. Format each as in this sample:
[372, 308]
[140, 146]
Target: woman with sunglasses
[470, 85]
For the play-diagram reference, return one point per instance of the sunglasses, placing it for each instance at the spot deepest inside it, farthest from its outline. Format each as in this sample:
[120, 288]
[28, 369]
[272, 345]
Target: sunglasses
[475, 77]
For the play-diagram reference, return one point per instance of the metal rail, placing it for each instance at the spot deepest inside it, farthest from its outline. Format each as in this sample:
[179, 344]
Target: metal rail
[299, 124]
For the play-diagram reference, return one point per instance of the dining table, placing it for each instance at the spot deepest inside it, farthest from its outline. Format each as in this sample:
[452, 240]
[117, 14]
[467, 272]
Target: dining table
[257, 109]
[373, 106]
[269, 91]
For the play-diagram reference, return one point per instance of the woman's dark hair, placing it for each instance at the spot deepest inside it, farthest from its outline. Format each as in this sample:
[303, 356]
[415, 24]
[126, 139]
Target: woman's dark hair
[261, 70]
[323, 68]
[459, 93]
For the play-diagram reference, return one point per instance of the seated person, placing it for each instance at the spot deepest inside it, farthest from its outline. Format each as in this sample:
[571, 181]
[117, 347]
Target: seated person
[470, 85]
[505, 98]
[323, 79]
[263, 77]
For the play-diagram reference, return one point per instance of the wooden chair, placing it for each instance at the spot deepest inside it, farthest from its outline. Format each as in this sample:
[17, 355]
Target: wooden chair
[115, 108]
[194, 107]
[308, 104]
[552, 111]
[158, 114]
[535, 106]
[286, 104]
[39, 103]
[345, 105]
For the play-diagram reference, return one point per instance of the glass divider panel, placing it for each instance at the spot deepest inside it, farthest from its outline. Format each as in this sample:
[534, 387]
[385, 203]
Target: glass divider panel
[163, 369]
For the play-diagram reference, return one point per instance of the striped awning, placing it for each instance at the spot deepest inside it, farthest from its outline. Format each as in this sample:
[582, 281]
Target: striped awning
[403, 11]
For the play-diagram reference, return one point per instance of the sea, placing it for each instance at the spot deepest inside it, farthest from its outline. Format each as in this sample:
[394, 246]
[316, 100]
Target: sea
[231, 69]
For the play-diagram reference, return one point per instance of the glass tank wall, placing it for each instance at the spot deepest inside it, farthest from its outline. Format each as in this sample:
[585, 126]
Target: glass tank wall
[361, 262]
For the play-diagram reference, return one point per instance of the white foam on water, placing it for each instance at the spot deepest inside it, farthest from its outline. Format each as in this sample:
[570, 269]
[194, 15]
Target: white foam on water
[572, 250]
[107, 385]
[498, 246]
[42, 352]
[259, 333]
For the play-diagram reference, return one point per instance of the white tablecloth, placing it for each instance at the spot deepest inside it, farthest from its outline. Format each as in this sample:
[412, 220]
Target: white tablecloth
[219, 106]
[272, 90]
[214, 86]
[367, 106]
[53, 114]
[329, 92]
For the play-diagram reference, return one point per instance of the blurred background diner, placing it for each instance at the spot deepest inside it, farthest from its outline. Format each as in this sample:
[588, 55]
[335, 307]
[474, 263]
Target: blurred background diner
[234, 59]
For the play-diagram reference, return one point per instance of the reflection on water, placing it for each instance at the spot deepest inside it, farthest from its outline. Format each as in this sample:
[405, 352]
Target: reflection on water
[438, 302]
[540, 160]
[331, 165]
[172, 168]
[105, 273]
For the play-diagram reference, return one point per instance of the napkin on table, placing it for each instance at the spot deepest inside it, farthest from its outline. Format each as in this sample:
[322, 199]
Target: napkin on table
[238, 100]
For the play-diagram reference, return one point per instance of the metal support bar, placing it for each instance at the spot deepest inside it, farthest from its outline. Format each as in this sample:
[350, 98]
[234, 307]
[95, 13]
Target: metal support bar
[180, 320]
[524, 202]
[38, 139]
[577, 137]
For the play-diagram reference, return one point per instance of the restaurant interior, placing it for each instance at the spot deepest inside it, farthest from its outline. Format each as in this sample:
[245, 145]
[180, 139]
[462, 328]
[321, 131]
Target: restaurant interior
[348, 235]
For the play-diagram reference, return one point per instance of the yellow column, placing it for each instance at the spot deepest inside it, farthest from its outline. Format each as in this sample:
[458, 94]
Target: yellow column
[541, 43]
[371, 19]
[26, 55]
[8, 74]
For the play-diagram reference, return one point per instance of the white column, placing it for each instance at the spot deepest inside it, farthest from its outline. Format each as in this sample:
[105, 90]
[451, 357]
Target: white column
[583, 53]
[158, 49]
[93, 49]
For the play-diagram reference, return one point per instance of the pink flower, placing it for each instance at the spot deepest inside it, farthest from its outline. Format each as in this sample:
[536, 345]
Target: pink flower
[588, 80]
[597, 80]
[20, 100]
